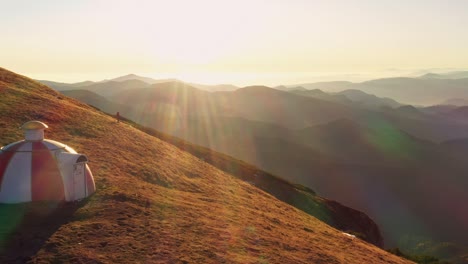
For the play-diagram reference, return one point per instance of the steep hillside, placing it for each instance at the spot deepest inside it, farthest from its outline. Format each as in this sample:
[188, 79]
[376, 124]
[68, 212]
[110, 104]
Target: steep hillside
[301, 197]
[238, 129]
[364, 165]
[374, 152]
[177, 93]
[155, 202]
[65, 86]
[136, 80]
[368, 100]
[114, 87]
[95, 99]
[106, 88]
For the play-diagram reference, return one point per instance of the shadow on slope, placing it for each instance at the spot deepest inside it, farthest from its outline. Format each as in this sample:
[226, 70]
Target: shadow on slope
[204, 216]
[303, 198]
[96, 100]
[333, 213]
[25, 228]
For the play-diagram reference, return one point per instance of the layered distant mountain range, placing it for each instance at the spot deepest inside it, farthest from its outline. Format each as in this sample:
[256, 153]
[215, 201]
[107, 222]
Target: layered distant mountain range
[163, 199]
[388, 147]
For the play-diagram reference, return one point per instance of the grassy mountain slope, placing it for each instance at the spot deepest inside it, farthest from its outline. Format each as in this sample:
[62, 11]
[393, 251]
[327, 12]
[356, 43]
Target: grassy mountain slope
[331, 212]
[106, 88]
[238, 129]
[155, 202]
[110, 88]
[94, 99]
[65, 86]
[133, 77]
[371, 151]
[327, 211]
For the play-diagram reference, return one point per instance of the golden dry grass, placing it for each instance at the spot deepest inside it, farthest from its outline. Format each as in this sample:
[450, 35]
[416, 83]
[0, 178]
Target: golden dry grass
[158, 204]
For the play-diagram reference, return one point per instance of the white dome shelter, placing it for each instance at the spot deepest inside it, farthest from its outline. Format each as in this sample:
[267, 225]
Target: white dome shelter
[38, 169]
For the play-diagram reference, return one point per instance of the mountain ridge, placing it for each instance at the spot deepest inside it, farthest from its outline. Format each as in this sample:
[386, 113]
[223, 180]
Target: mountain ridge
[407, 90]
[160, 218]
[252, 124]
[425, 90]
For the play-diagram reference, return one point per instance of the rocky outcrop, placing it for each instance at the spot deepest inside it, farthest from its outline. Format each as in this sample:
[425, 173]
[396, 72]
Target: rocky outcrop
[331, 212]
[354, 222]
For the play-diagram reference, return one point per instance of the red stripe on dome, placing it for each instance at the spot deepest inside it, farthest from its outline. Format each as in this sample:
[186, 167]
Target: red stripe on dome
[46, 180]
[5, 158]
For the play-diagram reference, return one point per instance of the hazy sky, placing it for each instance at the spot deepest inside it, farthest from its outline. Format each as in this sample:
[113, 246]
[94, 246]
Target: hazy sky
[230, 41]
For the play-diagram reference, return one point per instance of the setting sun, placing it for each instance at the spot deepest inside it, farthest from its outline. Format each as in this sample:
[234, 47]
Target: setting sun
[270, 38]
[242, 131]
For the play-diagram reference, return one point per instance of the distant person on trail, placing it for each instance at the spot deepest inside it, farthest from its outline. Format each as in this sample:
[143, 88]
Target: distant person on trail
[117, 116]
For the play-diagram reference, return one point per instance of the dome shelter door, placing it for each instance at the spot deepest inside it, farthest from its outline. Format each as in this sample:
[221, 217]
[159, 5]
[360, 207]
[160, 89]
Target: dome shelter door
[79, 181]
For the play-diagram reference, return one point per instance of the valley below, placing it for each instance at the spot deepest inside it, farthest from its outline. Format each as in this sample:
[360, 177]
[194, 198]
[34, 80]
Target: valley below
[395, 162]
